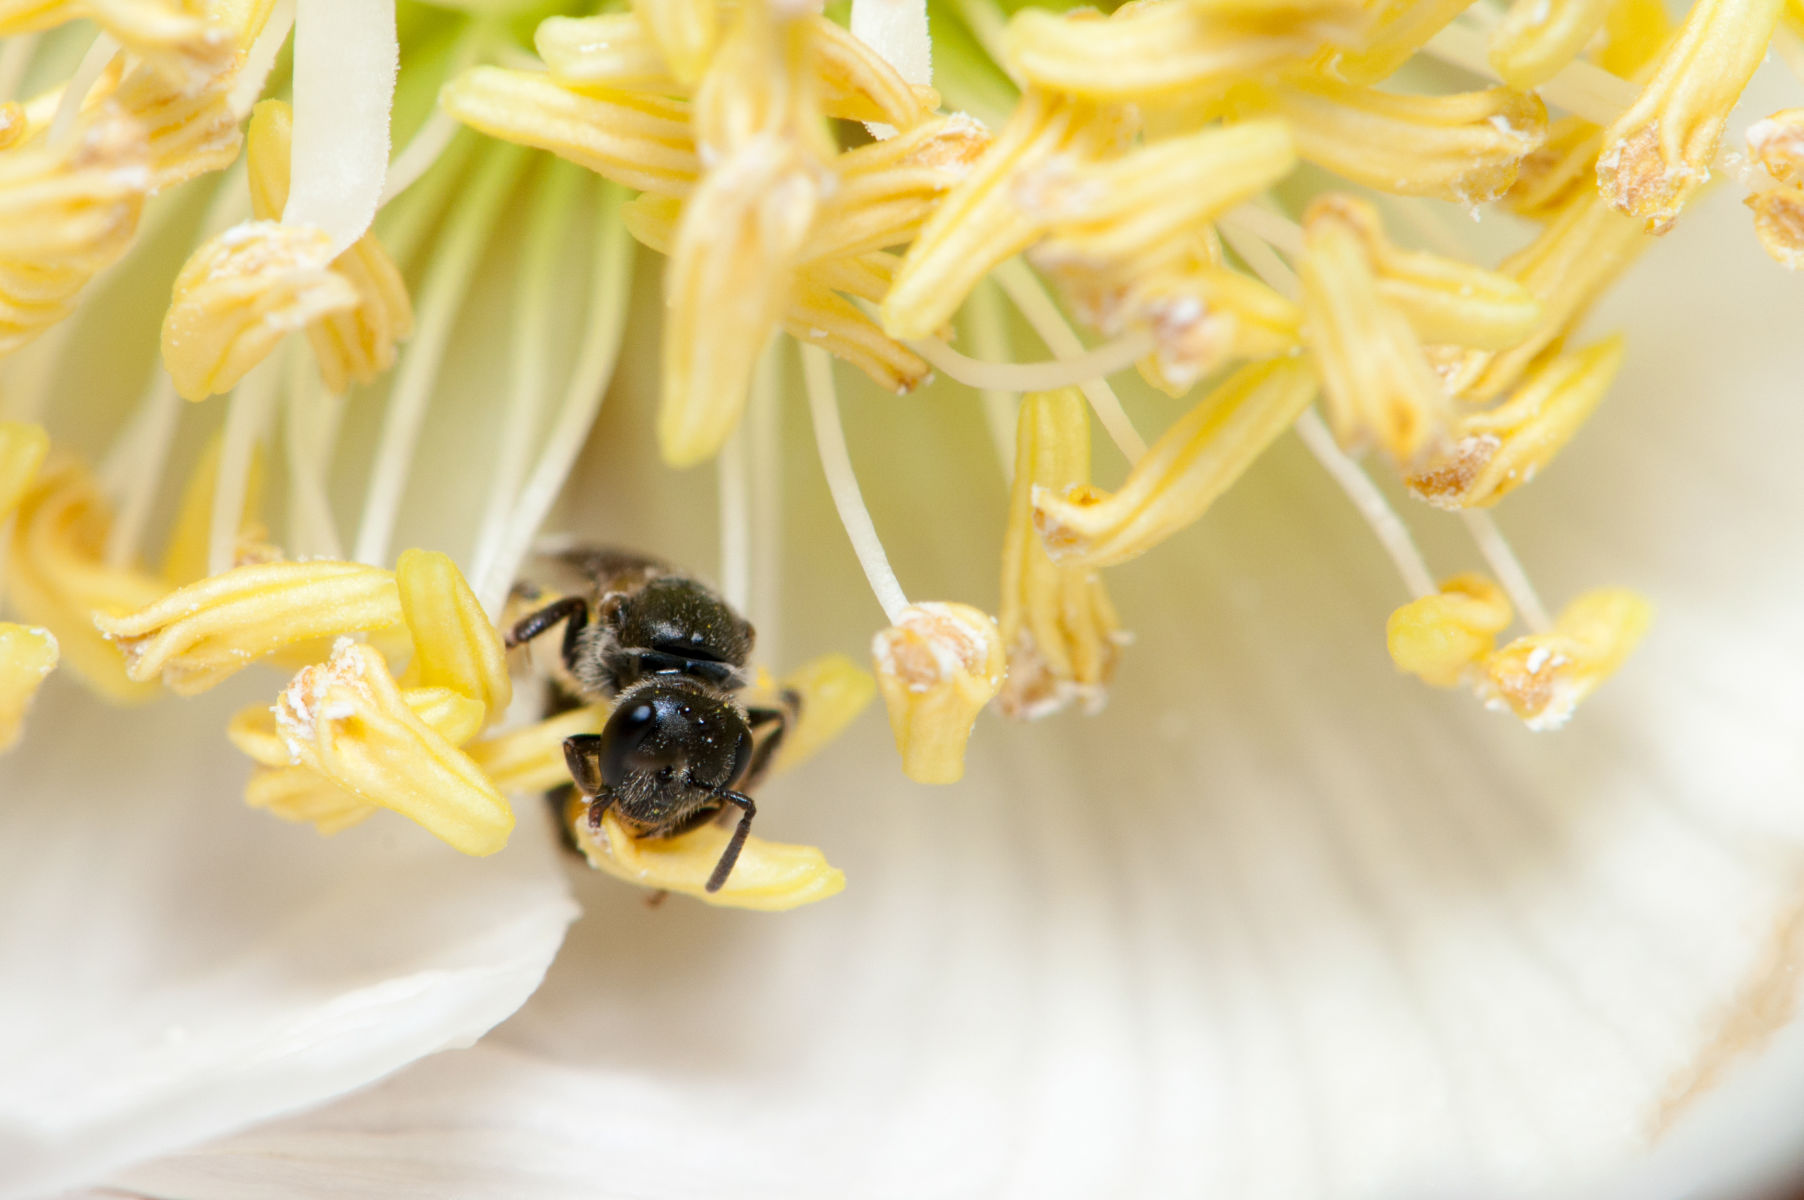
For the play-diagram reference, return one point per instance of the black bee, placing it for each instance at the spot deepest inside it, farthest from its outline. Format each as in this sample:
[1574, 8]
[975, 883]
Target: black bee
[678, 749]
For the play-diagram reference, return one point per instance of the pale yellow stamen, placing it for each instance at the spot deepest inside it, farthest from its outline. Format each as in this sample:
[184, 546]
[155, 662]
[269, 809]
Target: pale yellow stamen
[1540, 37]
[173, 37]
[1779, 224]
[685, 32]
[1162, 51]
[201, 634]
[1575, 257]
[1191, 464]
[994, 212]
[1552, 176]
[531, 759]
[57, 576]
[1377, 382]
[27, 655]
[347, 720]
[186, 558]
[1542, 677]
[1439, 638]
[884, 191]
[1498, 451]
[1659, 152]
[937, 667]
[240, 294]
[354, 344]
[455, 644]
[22, 450]
[832, 690]
[1058, 628]
[641, 141]
[1464, 147]
[769, 876]
[1634, 34]
[1398, 28]
[67, 211]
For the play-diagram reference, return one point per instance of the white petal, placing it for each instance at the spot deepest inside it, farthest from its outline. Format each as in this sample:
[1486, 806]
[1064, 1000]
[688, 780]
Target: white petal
[1279, 923]
[178, 966]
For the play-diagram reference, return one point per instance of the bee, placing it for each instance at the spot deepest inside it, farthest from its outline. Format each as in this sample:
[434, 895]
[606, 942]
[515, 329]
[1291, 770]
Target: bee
[679, 749]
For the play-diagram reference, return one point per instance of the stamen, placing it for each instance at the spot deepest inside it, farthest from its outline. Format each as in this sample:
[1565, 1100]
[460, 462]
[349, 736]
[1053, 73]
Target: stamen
[529, 386]
[442, 295]
[309, 433]
[1542, 677]
[1030, 298]
[455, 645]
[1507, 568]
[421, 153]
[842, 482]
[247, 419]
[1094, 363]
[15, 60]
[764, 424]
[1439, 638]
[27, 656]
[734, 499]
[834, 690]
[937, 665]
[983, 315]
[75, 93]
[260, 59]
[1386, 525]
[133, 469]
[607, 302]
[1579, 87]
[769, 876]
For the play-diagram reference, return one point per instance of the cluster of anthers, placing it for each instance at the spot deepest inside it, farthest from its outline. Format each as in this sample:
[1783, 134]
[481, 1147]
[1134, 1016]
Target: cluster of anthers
[799, 174]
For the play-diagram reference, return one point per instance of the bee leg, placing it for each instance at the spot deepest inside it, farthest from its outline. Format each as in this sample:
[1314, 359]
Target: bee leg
[759, 719]
[582, 754]
[572, 609]
[736, 843]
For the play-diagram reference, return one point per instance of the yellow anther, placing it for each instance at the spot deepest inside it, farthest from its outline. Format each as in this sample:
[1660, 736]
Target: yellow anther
[814, 312]
[455, 644]
[531, 759]
[1498, 451]
[1658, 152]
[1779, 224]
[57, 576]
[1396, 30]
[22, 450]
[240, 294]
[1376, 380]
[883, 191]
[832, 691]
[725, 288]
[1057, 625]
[937, 667]
[1130, 215]
[348, 720]
[1444, 300]
[1777, 143]
[1540, 37]
[1203, 317]
[1192, 463]
[354, 344]
[615, 52]
[1542, 677]
[1552, 177]
[185, 559]
[995, 212]
[641, 141]
[1634, 34]
[173, 37]
[1439, 638]
[685, 32]
[1568, 265]
[1464, 147]
[14, 124]
[27, 655]
[67, 210]
[300, 793]
[769, 876]
[1164, 50]
[198, 635]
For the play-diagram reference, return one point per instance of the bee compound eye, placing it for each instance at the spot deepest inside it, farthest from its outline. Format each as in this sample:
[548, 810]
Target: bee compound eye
[624, 738]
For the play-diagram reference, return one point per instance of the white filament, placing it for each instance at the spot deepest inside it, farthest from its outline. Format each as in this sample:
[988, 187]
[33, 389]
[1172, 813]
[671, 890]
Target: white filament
[100, 52]
[764, 430]
[733, 492]
[345, 58]
[1002, 376]
[441, 298]
[1508, 568]
[983, 312]
[15, 60]
[248, 87]
[309, 433]
[247, 417]
[582, 400]
[135, 466]
[1029, 296]
[842, 482]
[1392, 534]
[1582, 89]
